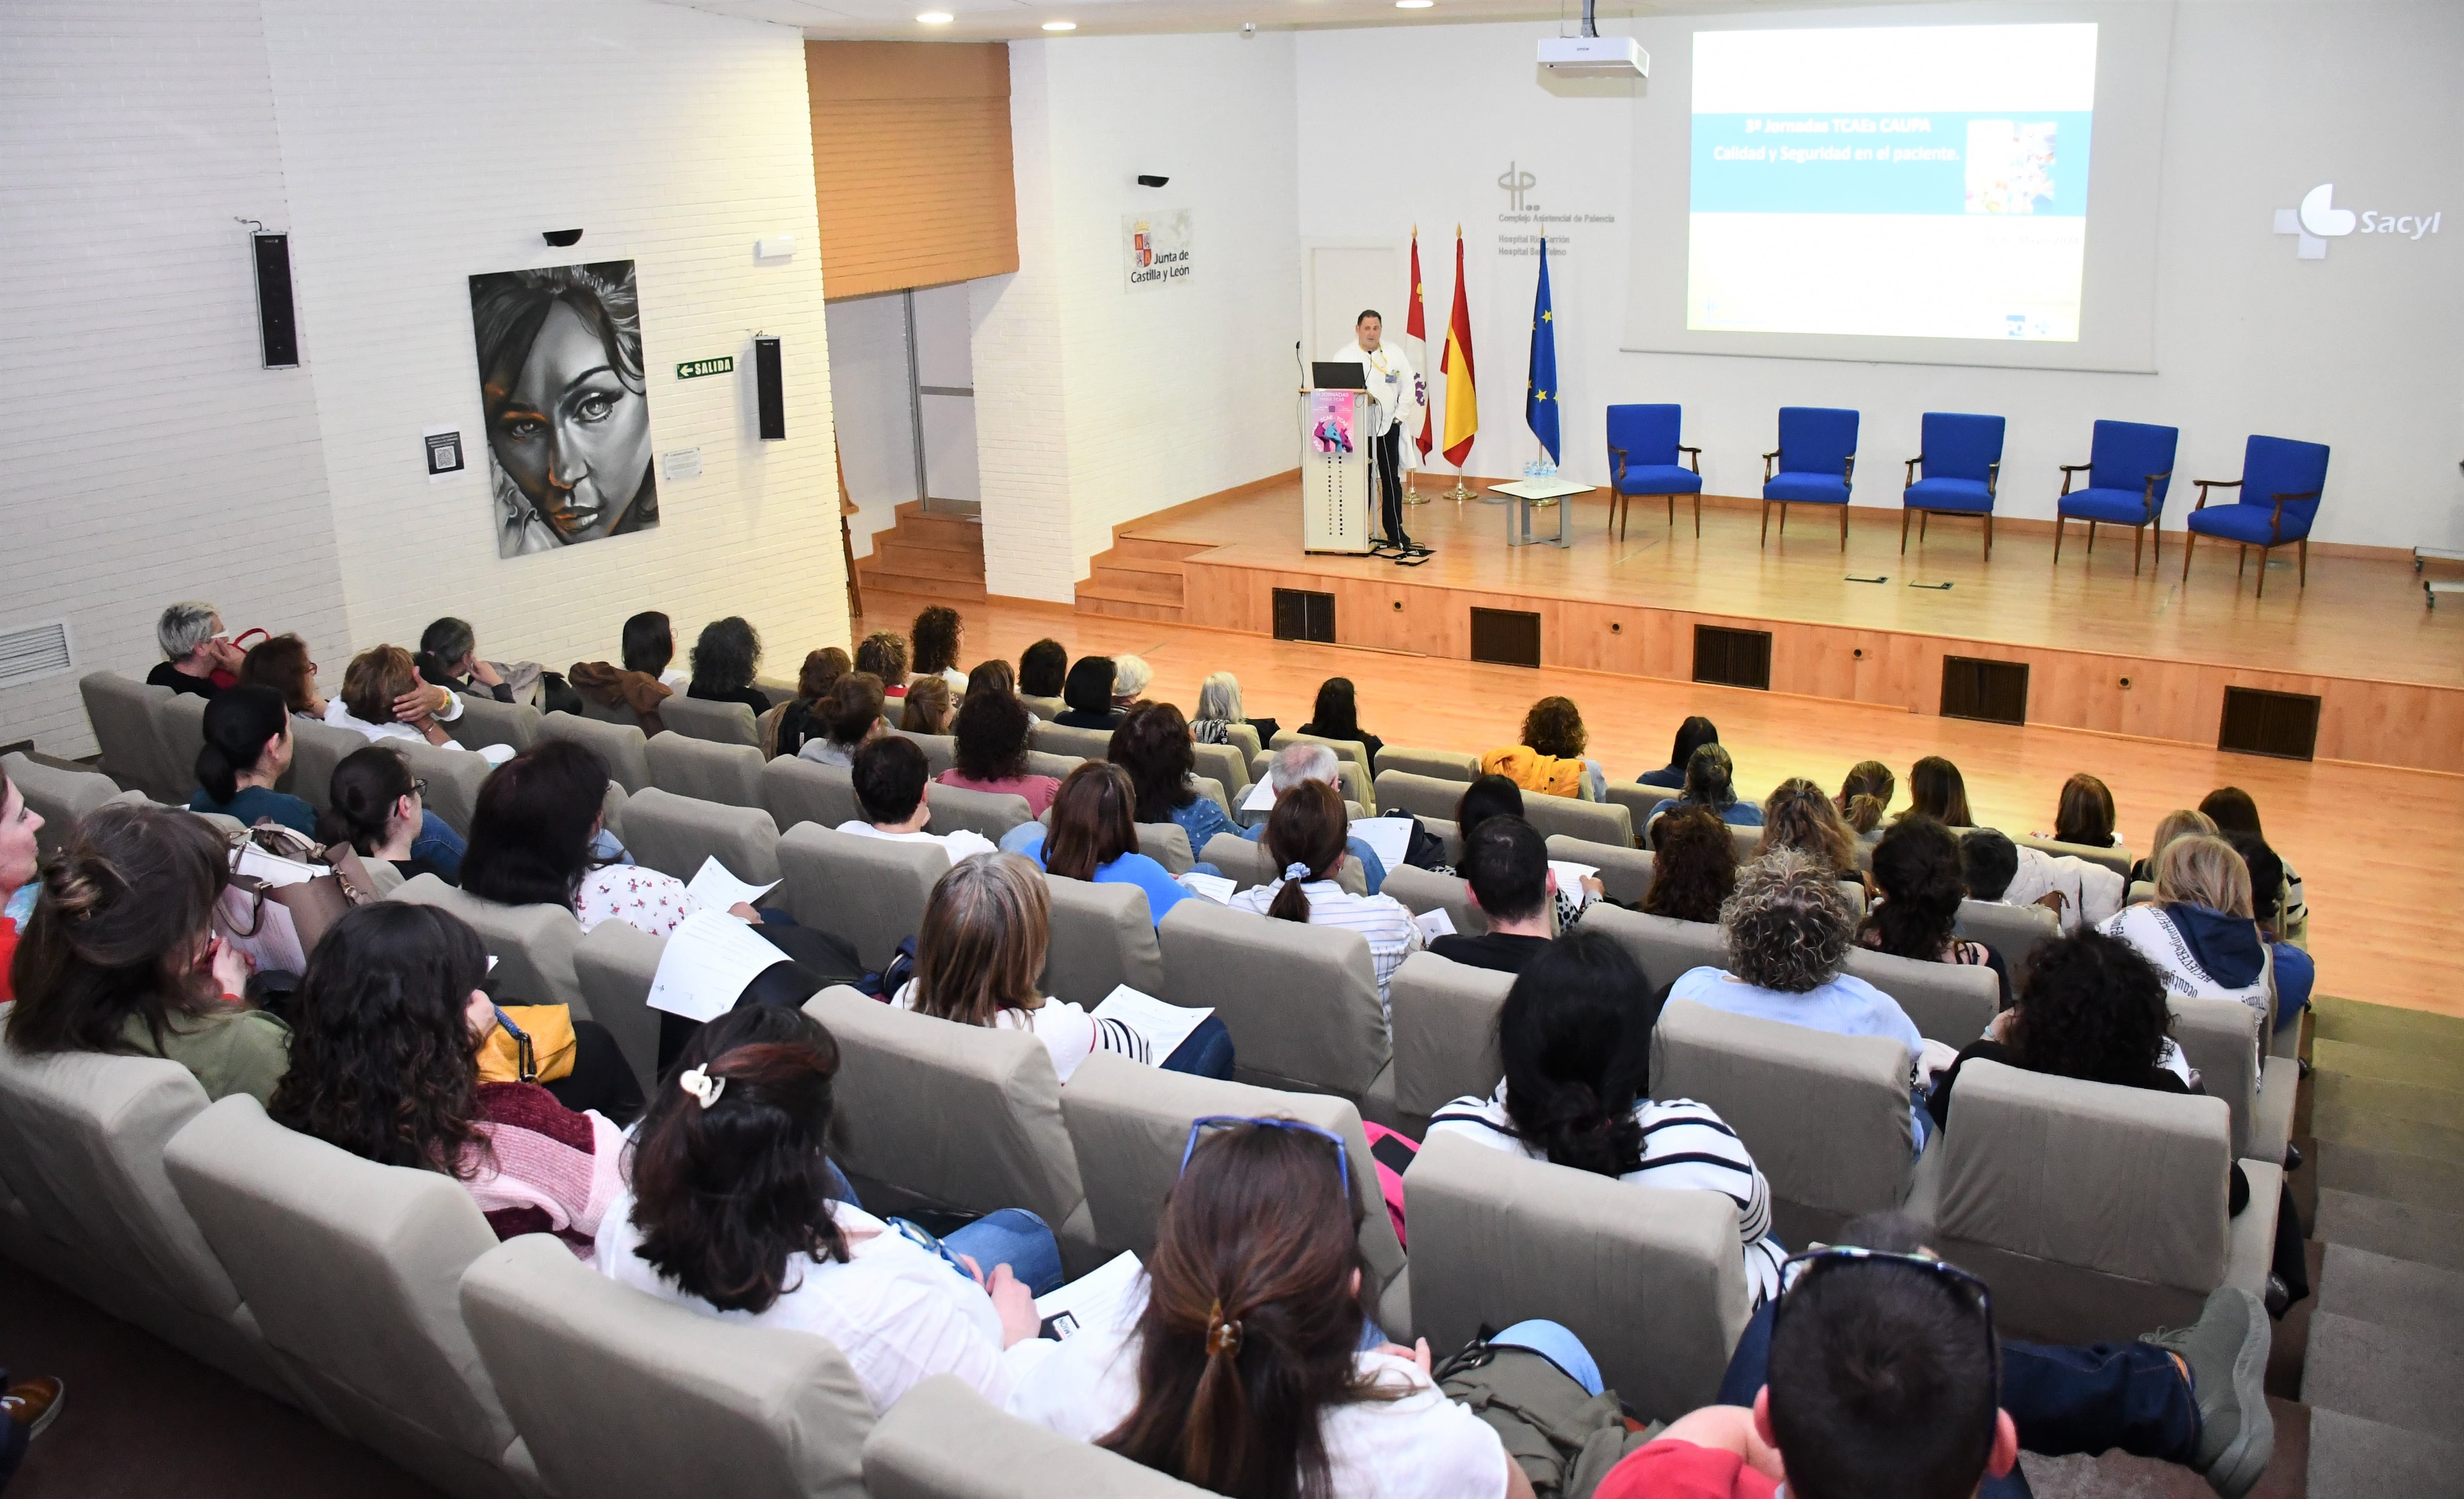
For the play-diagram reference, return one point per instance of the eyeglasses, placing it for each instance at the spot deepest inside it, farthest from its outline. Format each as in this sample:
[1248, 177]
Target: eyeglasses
[418, 787]
[1198, 1127]
[1801, 1267]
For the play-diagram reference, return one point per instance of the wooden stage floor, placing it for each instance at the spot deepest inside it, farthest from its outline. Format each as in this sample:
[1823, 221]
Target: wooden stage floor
[2146, 655]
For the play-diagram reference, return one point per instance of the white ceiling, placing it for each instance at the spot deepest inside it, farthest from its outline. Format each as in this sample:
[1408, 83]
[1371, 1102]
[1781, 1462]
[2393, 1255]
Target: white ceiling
[995, 20]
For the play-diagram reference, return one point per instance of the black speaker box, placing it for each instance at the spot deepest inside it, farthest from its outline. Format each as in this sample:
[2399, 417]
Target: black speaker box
[277, 327]
[772, 390]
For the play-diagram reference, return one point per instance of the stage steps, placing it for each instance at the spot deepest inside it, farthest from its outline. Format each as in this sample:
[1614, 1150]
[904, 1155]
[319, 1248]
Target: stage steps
[1141, 578]
[940, 558]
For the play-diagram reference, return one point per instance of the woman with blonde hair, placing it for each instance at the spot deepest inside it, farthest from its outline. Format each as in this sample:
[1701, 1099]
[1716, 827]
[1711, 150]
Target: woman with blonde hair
[1865, 798]
[2180, 823]
[1548, 759]
[1799, 814]
[2198, 931]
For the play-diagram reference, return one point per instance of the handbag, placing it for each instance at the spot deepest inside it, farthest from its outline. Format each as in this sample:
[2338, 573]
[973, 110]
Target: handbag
[1564, 1439]
[222, 677]
[309, 907]
[530, 1043]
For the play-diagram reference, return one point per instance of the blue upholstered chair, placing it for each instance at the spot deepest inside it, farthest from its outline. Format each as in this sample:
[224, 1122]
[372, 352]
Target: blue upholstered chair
[1962, 458]
[2280, 483]
[1643, 460]
[1813, 464]
[2129, 467]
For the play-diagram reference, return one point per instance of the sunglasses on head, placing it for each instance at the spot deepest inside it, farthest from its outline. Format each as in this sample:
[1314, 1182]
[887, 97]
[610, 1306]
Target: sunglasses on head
[1971, 1292]
[1198, 1127]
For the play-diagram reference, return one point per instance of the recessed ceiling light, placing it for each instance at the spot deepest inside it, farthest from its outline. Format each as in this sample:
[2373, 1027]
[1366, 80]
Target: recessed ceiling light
[1060, 26]
[935, 18]
[1414, 5]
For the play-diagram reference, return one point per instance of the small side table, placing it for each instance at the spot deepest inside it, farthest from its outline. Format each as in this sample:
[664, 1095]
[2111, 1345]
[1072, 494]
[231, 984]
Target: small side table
[1530, 494]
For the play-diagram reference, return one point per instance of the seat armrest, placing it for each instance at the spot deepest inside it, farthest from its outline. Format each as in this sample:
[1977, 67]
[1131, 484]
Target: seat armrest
[2250, 1250]
[2206, 485]
[1694, 460]
[1912, 470]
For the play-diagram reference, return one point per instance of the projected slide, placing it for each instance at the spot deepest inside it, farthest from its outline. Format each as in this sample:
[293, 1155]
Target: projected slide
[1903, 182]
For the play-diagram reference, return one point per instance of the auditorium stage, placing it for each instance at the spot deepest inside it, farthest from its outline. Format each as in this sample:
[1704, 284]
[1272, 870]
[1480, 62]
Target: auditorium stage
[2147, 655]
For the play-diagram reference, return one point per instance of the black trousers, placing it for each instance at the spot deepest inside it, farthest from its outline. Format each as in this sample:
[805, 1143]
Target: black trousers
[1386, 455]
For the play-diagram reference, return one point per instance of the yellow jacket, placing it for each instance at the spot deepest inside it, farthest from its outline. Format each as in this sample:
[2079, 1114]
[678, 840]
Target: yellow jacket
[1527, 767]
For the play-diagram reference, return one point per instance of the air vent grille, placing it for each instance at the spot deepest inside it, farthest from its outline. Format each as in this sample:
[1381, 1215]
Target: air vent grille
[34, 652]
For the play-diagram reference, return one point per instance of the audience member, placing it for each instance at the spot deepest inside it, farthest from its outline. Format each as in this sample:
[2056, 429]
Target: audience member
[1937, 791]
[1152, 744]
[1297, 764]
[1337, 717]
[1549, 758]
[247, 749]
[1916, 912]
[2232, 810]
[2085, 814]
[1995, 869]
[2198, 931]
[1305, 840]
[451, 648]
[884, 654]
[928, 706]
[20, 861]
[994, 675]
[376, 806]
[1709, 784]
[196, 651]
[1988, 861]
[1865, 798]
[2295, 971]
[937, 636]
[1691, 734]
[1507, 864]
[850, 719]
[2093, 1009]
[2180, 823]
[724, 661]
[649, 647]
[120, 954]
[281, 661]
[804, 715]
[1574, 1039]
[1787, 928]
[1694, 868]
[990, 731]
[385, 1034]
[1800, 815]
[1130, 676]
[1088, 694]
[1243, 1362]
[384, 699]
[1095, 836]
[1495, 796]
[730, 1213]
[1042, 668]
[889, 775]
[1220, 708]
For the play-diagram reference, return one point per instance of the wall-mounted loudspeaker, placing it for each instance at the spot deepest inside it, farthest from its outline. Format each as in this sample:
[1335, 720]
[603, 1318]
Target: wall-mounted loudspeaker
[772, 390]
[277, 326]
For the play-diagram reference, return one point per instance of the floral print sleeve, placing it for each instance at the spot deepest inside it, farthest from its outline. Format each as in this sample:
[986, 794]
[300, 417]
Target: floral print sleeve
[640, 897]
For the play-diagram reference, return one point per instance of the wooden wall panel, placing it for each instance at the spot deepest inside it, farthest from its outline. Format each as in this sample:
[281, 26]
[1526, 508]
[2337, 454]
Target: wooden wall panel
[911, 162]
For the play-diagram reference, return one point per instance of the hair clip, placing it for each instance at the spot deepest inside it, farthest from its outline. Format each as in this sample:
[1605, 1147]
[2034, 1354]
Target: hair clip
[1296, 872]
[704, 1088]
[1222, 1334]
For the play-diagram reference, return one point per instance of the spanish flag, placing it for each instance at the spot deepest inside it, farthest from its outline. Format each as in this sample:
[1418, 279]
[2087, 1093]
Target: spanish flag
[1462, 401]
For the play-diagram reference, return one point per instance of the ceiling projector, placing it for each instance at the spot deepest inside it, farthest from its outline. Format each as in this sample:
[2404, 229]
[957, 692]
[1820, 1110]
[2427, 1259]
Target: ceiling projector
[1594, 57]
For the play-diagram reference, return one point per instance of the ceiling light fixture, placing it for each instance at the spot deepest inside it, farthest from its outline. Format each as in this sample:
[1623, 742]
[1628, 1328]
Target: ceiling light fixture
[935, 18]
[1060, 26]
[1414, 5]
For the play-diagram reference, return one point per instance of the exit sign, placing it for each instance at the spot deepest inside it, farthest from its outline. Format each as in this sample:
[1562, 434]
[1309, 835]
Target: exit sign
[695, 368]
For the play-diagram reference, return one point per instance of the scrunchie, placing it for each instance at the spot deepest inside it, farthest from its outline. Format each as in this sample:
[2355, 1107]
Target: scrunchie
[703, 1088]
[1222, 1334]
[1296, 872]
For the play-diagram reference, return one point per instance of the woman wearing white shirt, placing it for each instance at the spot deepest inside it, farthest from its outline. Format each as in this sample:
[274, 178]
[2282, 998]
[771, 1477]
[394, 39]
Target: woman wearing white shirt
[1239, 1365]
[1306, 834]
[384, 699]
[730, 1213]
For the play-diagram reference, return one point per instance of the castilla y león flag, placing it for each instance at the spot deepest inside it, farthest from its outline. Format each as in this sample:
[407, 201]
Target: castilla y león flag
[1463, 401]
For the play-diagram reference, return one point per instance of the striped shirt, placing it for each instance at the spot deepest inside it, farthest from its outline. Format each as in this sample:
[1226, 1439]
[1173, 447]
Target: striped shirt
[1393, 935]
[1071, 1034]
[1686, 1148]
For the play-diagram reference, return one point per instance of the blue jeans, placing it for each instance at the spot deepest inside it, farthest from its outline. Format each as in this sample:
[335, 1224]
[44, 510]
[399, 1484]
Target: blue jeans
[439, 845]
[1013, 1237]
[1207, 1052]
[1557, 1343]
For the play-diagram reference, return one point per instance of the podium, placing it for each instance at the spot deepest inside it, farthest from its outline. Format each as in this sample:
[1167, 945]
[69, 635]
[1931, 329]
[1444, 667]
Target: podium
[1338, 478]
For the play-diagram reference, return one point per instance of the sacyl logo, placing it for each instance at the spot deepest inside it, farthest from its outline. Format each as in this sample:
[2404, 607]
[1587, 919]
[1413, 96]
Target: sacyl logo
[2317, 220]
[1517, 182]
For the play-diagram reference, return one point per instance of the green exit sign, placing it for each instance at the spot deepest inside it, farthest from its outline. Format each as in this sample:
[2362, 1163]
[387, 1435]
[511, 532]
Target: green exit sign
[695, 368]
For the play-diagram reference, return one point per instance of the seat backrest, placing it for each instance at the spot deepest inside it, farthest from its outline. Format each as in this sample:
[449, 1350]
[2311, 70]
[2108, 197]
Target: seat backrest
[1227, 765]
[936, 1114]
[717, 722]
[453, 773]
[616, 713]
[673, 834]
[1130, 1124]
[1167, 844]
[1815, 440]
[2125, 455]
[1245, 735]
[354, 1272]
[180, 719]
[1592, 822]
[1351, 774]
[1301, 1001]
[1646, 434]
[2219, 1038]
[615, 965]
[991, 813]
[1949, 1003]
[1663, 945]
[1825, 1116]
[533, 945]
[1959, 445]
[1057, 766]
[1445, 1034]
[1423, 890]
[940, 750]
[121, 710]
[1744, 841]
[486, 722]
[2115, 858]
[1637, 800]
[1653, 1277]
[2015, 932]
[617, 1392]
[1353, 750]
[943, 1441]
[705, 768]
[620, 744]
[1244, 861]
[808, 791]
[1423, 796]
[1054, 739]
[1624, 871]
[1046, 709]
[869, 892]
[1102, 938]
[1446, 831]
[1436, 764]
[2273, 466]
[316, 749]
[59, 797]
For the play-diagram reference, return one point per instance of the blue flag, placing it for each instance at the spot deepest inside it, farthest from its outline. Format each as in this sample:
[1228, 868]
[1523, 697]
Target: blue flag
[1540, 398]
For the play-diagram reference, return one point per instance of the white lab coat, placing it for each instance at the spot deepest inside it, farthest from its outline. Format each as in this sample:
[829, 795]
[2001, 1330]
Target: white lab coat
[1395, 392]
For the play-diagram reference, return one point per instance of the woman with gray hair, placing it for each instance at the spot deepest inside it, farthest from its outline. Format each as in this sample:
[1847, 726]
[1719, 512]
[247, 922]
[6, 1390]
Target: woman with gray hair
[195, 647]
[1788, 927]
[1220, 707]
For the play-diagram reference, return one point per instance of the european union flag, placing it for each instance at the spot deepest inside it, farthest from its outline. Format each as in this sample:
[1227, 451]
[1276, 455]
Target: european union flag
[1540, 398]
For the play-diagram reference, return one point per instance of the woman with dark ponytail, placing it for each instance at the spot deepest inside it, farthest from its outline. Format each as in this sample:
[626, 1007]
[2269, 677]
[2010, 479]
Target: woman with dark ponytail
[375, 805]
[1306, 838]
[1916, 870]
[1575, 1035]
[1245, 1363]
[248, 747]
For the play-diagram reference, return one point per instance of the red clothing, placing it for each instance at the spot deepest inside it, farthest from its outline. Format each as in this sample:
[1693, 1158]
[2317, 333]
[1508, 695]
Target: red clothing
[1039, 790]
[1667, 1470]
[8, 955]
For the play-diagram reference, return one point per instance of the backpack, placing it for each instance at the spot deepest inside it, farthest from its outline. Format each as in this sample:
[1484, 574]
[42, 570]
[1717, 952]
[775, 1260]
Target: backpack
[1565, 1440]
[886, 984]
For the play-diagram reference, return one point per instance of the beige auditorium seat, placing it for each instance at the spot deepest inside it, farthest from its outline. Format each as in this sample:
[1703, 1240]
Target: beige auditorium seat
[1130, 1124]
[869, 892]
[2116, 858]
[1826, 1117]
[940, 750]
[1244, 861]
[1591, 822]
[614, 965]
[778, 689]
[1744, 842]
[1653, 1281]
[943, 1441]
[991, 813]
[1624, 871]
[2219, 1038]
[711, 722]
[1167, 844]
[1445, 830]
[1301, 1001]
[1102, 938]
[1226, 765]
[1057, 766]
[453, 773]
[486, 722]
[620, 744]
[673, 834]
[1637, 800]
[617, 713]
[1055, 738]
[714, 772]
[1423, 890]
[808, 791]
[533, 945]
[2139, 892]
[1446, 1035]
[1355, 751]
[81, 1140]
[316, 749]
[2095, 1212]
[617, 1392]
[121, 710]
[180, 719]
[611, 811]
[1358, 788]
[59, 797]
[1951, 1003]
[1664, 946]
[1046, 709]
[354, 1272]
[1437, 764]
[2015, 932]
[938, 1115]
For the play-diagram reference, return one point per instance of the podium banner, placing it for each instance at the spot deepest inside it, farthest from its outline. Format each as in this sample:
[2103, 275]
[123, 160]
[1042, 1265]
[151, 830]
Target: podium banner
[1338, 485]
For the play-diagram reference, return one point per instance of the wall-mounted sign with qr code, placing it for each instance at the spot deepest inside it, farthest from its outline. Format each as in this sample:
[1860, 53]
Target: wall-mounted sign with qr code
[445, 456]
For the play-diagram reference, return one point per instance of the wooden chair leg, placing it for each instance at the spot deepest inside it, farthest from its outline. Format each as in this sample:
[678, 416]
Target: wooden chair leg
[1766, 522]
[2262, 570]
[1697, 515]
[2091, 538]
[2303, 546]
[1925, 519]
[1989, 535]
[1843, 529]
[1904, 513]
[2138, 533]
[2156, 542]
[2058, 541]
[1672, 510]
[1783, 520]
[2241, 563]
[2190, 540]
